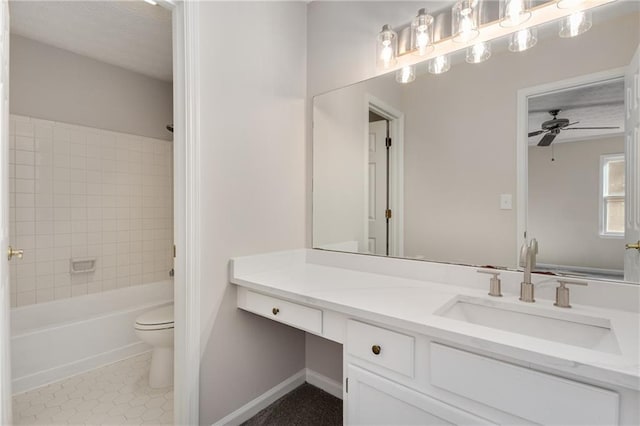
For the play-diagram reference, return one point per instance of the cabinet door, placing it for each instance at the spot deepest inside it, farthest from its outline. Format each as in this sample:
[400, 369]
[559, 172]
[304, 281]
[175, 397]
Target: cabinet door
[373, 400]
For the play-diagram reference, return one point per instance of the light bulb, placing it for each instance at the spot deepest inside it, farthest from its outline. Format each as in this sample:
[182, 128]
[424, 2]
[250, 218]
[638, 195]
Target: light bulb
[406, 74]
[422, 33]
[387, 46]
[514, 12]
[464, 21]
[439, 65]
[523, 40]
[479, 52]
[575, 24]
[570, 4]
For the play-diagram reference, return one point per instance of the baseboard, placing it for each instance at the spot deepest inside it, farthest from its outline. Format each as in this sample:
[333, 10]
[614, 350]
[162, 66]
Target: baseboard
[41, 378]
[323, 382]
[254, 406]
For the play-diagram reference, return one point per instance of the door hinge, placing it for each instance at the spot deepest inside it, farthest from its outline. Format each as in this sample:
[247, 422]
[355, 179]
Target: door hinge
[387, 142]
[174, 250]
[347, 386]
[387, 213]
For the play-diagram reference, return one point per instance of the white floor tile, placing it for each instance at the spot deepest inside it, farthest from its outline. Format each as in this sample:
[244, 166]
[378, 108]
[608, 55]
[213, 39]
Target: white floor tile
[117, 394]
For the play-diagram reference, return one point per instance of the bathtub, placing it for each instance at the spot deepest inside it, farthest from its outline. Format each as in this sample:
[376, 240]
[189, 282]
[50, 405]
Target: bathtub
[54, 340]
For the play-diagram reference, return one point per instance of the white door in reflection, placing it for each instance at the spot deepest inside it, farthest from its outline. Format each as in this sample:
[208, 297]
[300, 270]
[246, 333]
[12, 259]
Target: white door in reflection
[632, 150]
[378, 241]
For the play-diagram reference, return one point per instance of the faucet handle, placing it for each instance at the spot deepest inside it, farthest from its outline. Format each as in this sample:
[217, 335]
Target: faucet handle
[494, 282]
[562, 292]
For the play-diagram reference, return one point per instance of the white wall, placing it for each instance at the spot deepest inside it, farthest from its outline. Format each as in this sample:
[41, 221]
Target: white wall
[79, 192]
[253, 85]
[564, 204]
[58, 85]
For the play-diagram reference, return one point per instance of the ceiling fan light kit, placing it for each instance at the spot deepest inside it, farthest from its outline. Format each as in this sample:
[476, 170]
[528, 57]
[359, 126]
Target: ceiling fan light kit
[474, 24]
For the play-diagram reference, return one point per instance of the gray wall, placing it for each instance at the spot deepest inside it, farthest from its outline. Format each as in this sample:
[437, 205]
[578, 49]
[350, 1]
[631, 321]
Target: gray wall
[58, 85]
[564, 206]
[253, 188]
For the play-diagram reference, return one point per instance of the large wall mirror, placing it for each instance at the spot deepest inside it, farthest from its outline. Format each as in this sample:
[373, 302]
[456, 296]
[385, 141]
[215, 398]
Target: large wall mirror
[464, 166]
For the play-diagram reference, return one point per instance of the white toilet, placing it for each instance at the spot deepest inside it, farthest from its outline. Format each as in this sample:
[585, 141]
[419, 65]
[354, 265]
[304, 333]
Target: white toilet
[156, 328]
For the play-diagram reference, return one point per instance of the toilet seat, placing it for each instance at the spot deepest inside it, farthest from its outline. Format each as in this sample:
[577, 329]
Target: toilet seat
[157, 319]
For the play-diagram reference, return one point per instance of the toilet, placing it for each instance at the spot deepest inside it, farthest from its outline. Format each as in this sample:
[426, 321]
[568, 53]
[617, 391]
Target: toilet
[156, 328]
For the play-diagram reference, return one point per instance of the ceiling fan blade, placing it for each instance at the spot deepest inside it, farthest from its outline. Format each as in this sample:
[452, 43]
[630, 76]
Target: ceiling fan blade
[547, 139]
[536, 133]
[591, 128]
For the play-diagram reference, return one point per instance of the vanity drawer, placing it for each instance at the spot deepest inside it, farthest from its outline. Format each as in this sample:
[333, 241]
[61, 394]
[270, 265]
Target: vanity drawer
[525, 393]
[293, 314]
[380, 346]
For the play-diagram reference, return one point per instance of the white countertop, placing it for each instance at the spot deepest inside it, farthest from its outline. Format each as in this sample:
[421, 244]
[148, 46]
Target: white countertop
[411, 304]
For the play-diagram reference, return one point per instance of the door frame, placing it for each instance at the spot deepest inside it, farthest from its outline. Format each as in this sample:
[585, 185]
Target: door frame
[186, 207]
[396, 176]
[186, 149]
[522, 156]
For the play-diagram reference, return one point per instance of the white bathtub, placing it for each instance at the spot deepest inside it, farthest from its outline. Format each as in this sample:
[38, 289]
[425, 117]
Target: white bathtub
[54, 340]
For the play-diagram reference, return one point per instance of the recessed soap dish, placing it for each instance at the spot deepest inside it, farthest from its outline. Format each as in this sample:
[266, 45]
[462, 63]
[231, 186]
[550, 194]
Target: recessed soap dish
[81, 265]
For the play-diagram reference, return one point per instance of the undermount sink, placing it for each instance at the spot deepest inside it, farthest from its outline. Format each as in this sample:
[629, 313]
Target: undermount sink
[564, 327]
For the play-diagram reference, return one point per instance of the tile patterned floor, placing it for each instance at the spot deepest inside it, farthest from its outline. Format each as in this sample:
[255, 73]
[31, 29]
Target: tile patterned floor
[117, 394]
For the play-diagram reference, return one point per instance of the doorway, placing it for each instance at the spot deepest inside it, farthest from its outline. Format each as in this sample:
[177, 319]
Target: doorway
[186, 146]
[575, 156]
[384, 145]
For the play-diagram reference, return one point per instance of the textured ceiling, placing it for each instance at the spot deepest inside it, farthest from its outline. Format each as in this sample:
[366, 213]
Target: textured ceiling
[594, 105]
[130, 34]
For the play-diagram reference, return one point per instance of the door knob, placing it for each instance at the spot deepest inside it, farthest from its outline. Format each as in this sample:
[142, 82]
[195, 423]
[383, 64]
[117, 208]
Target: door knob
[635, 246]
[14, 252]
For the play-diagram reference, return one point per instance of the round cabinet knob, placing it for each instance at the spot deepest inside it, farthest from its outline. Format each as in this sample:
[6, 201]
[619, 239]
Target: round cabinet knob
[275, 311]
[375, 349]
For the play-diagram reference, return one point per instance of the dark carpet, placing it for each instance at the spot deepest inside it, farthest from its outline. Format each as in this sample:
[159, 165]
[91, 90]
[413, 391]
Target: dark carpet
[304, 406]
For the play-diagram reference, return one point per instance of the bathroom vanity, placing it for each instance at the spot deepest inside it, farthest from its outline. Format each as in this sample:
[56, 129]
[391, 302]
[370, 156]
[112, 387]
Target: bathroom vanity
[424, 343]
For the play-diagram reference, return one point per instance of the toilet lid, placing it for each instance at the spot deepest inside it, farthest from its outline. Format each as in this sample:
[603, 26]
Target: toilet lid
[160, 316]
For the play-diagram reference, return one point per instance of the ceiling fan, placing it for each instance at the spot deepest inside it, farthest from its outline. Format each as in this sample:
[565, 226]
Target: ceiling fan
[551, 128]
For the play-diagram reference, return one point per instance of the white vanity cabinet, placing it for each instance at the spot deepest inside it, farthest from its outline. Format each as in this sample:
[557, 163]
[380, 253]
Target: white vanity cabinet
[401, 378]
[403, 364]
[374, 400]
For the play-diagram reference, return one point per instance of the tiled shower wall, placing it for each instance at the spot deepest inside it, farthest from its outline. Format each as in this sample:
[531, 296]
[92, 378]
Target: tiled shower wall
[79, 192]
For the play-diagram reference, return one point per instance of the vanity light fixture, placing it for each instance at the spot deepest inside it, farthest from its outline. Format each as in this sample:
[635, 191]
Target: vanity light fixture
[479, 52]
[387, 47]
[439, 64]
[151, 2]
[575, 24]
[422, 33]
[464, 20]
[523, 40]
[406, 74]
[514, 12]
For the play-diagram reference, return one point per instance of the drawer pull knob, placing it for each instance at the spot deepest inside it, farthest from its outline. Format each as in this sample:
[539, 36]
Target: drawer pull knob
[275, 311]
[375, 349]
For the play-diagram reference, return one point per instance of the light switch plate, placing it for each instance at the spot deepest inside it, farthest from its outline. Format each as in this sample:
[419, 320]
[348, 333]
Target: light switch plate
[506, 202]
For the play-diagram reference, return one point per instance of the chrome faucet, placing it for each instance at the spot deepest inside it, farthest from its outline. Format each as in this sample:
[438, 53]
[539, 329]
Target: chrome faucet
[528, 262]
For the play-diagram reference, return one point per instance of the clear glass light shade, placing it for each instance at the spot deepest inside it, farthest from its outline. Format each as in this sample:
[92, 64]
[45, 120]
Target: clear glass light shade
[406, 74]
[514, 12]
[387, 47]
[571, 4]
[479, 52]
[439, 65]
[523, 40]
[575, 24]
[422, 33]
[464, 21]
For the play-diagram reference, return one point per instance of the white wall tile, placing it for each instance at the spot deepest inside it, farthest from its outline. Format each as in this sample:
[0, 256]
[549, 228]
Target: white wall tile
[76, 192]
